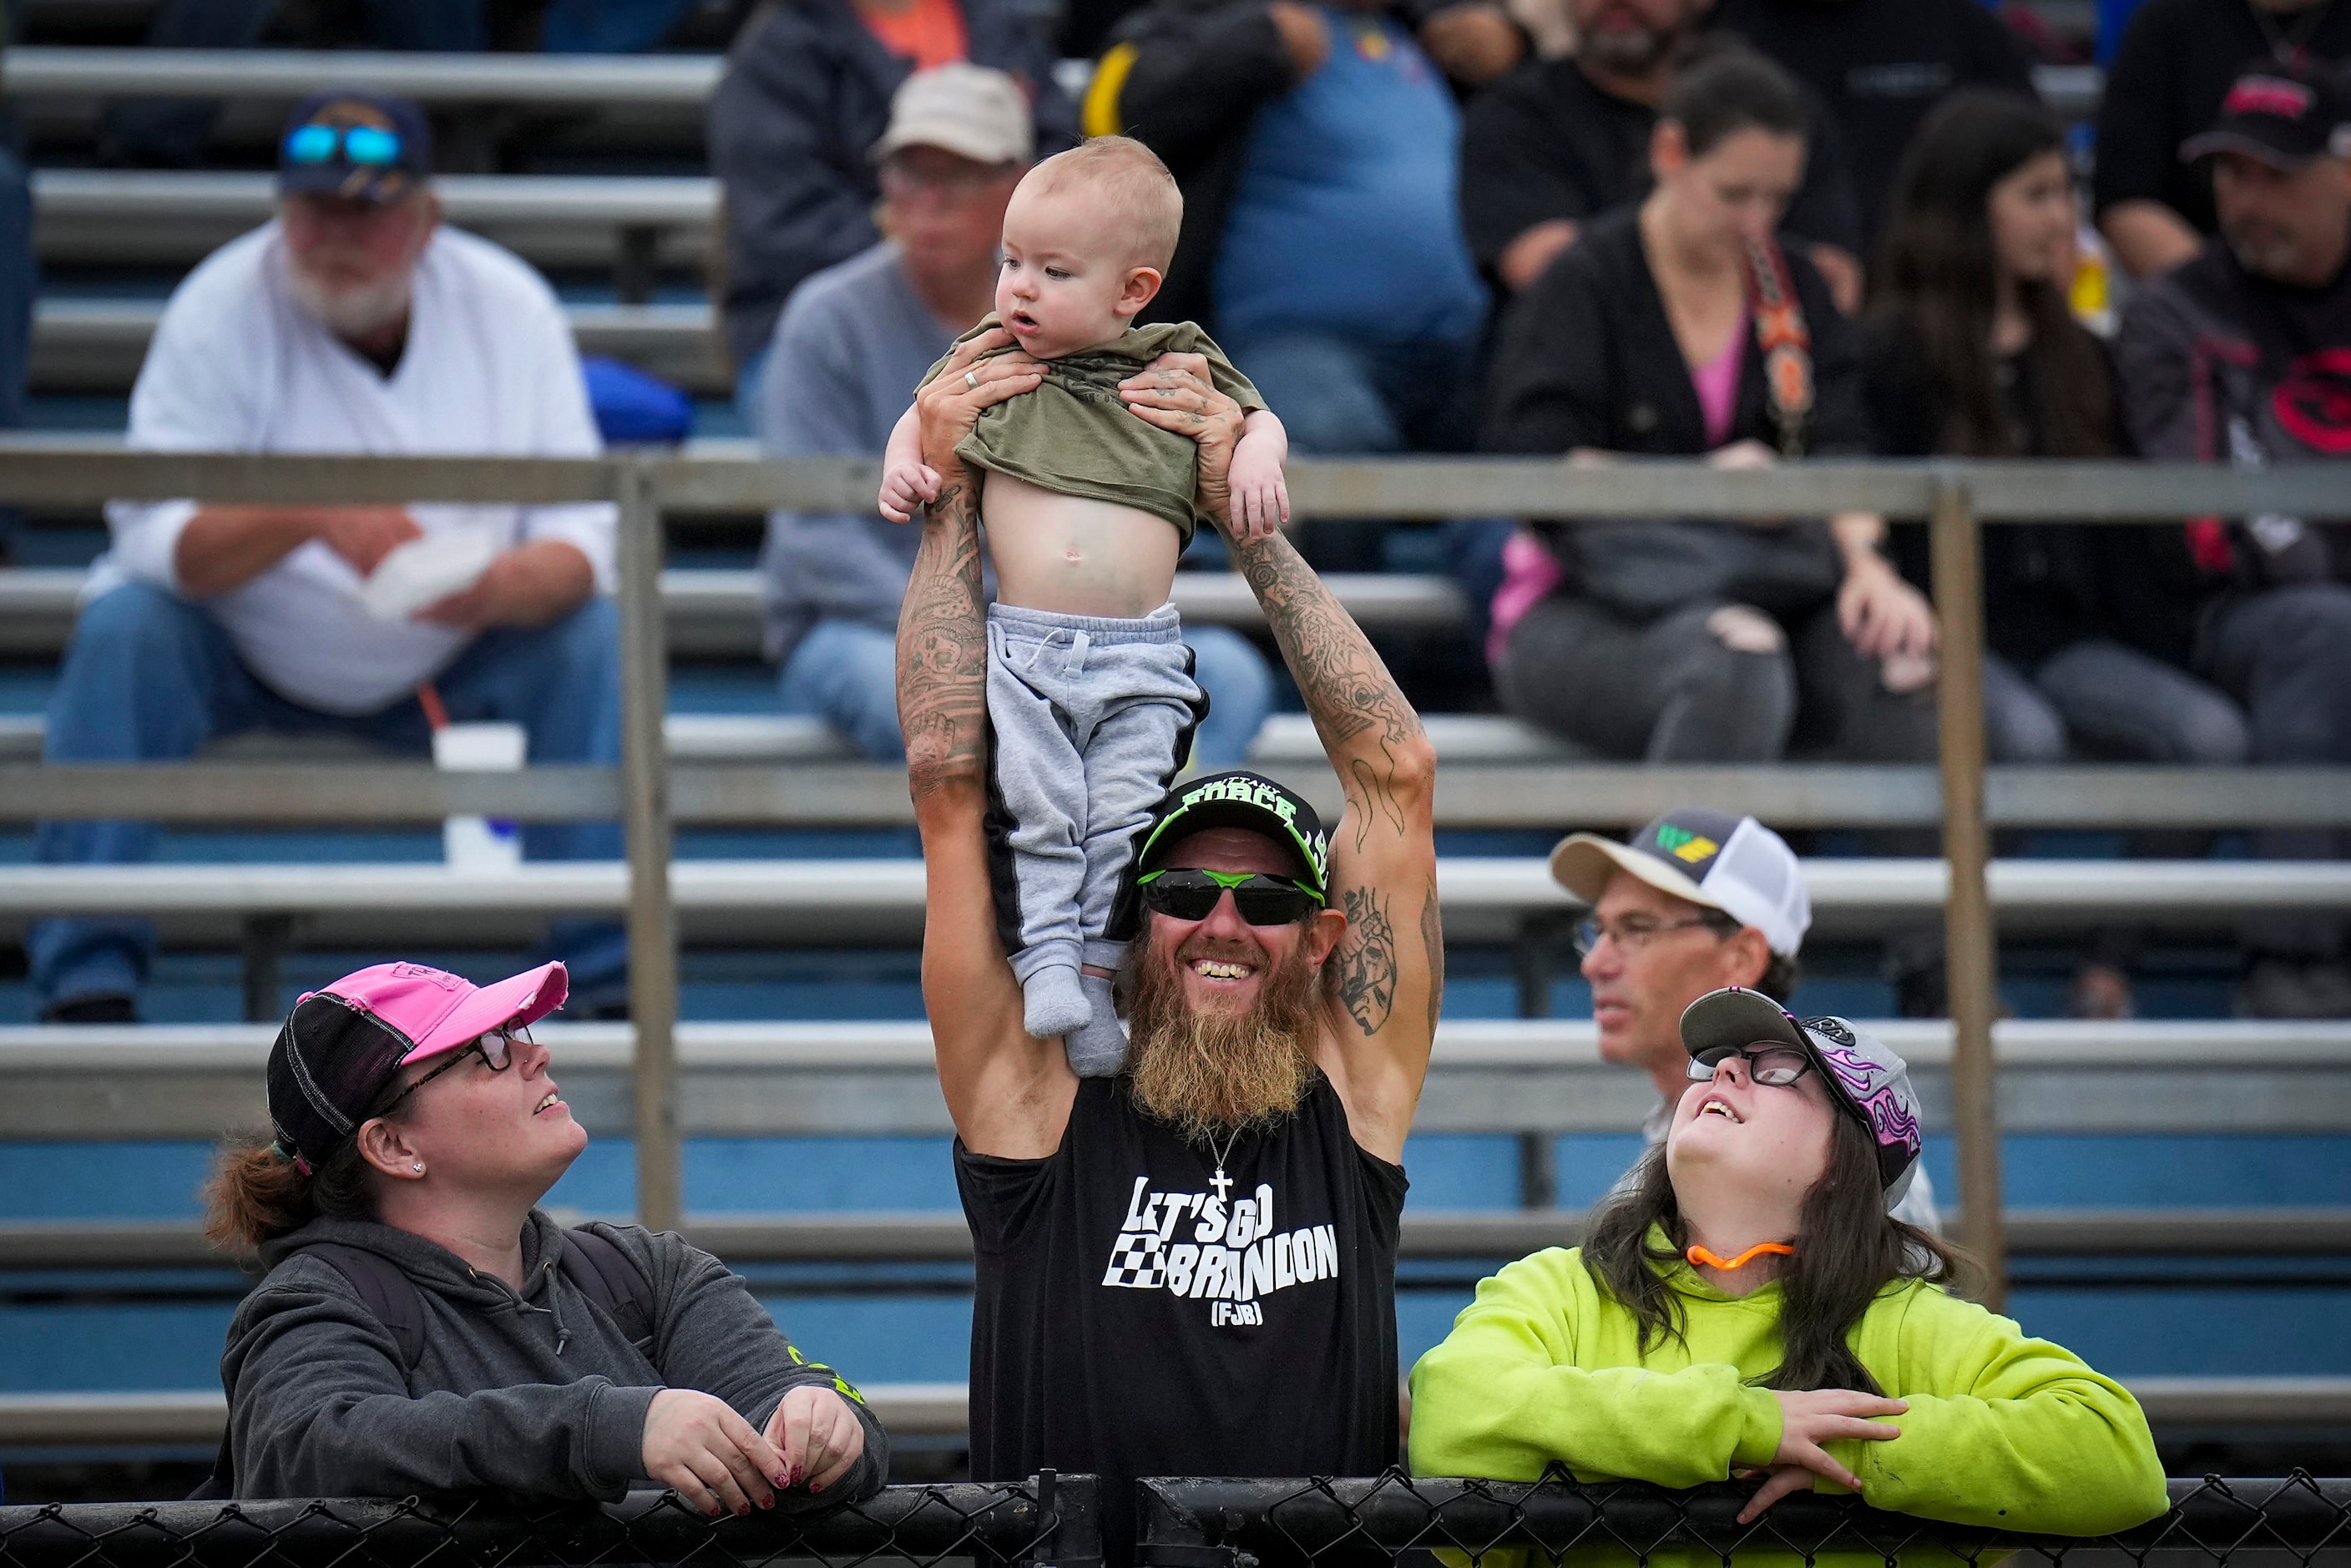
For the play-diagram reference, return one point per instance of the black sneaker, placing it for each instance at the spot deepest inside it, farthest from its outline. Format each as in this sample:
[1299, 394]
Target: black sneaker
[99, 1007]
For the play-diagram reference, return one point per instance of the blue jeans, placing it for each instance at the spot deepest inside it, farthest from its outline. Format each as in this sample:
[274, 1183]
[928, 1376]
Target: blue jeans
[846, 672]
[150, 677]
[1339, 395]
[19, 280]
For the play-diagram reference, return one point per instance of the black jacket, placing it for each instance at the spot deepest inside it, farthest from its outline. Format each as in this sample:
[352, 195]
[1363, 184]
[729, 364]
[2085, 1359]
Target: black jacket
[1587, 358]
[806, 94]
[1187, 79]
[2045, 585]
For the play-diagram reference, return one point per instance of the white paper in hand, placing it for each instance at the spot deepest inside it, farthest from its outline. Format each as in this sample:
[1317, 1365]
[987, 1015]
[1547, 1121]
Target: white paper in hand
[425, 570]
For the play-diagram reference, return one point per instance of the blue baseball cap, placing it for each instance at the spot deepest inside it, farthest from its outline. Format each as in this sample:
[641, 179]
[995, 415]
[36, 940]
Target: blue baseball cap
[369, 146]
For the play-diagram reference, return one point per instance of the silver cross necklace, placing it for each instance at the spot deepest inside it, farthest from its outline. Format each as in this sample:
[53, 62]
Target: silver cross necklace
[1220, 1181]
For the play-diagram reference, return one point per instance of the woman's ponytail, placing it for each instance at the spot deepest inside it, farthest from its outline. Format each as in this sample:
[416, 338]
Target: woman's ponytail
[257, 1193]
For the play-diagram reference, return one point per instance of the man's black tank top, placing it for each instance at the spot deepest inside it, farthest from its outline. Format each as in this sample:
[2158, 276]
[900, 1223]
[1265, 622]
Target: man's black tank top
[1134, 1317]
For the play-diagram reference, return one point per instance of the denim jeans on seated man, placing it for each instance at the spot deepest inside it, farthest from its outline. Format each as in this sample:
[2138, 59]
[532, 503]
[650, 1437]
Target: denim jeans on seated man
[150, 677]
[846, 672]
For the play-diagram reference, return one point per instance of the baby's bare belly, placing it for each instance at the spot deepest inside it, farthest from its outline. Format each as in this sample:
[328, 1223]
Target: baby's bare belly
[1075, 556]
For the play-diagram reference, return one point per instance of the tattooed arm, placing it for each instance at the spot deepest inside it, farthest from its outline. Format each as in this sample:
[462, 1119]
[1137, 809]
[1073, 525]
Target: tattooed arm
[1389, 969]
[1008, 1093]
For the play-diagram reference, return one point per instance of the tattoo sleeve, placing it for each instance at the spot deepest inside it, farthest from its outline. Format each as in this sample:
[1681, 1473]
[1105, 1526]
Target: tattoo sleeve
[1367, 960]
[1362, 718]
[943, 643]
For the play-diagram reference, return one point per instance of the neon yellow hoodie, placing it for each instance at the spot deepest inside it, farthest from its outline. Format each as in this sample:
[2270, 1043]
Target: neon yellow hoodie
[2003, 1430]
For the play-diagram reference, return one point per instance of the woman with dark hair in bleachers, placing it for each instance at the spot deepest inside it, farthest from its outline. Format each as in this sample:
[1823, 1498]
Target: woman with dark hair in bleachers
[1687, 327]
[425, 1327]
[1972, 350]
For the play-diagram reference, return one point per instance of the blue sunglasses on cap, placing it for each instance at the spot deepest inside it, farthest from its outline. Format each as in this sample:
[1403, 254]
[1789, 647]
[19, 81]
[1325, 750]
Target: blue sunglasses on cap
[362, 144]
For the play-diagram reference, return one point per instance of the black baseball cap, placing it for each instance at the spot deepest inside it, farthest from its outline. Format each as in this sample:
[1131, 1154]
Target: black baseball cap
[369, 146]
[1237, 799]
[2284, 113]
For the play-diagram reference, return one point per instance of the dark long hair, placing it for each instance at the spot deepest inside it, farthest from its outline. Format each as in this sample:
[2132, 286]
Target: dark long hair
[1936, 279]
[1849, 1249]
[1723, 88]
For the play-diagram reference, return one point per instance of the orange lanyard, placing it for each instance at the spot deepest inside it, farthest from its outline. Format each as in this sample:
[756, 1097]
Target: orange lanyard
[1700, 1255]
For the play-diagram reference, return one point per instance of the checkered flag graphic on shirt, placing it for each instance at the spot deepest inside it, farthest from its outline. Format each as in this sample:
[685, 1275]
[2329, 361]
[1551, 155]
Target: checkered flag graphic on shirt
[1135, 1262]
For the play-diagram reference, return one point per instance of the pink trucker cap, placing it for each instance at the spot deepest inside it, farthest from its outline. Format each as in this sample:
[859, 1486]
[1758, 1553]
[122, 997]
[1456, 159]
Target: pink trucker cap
[340, 1046]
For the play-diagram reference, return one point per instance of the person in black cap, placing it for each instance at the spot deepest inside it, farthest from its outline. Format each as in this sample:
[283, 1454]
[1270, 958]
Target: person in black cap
[425, 1327]
[354, 322]
[2177, 62]
[1188, 1269]
[2243, 356]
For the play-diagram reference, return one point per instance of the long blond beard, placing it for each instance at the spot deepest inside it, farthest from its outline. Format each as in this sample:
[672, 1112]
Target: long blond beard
[1210, 1072]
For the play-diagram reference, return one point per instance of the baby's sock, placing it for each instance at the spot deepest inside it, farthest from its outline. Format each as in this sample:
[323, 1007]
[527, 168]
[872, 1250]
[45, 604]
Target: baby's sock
[1097, 1048]
[1051, 1002]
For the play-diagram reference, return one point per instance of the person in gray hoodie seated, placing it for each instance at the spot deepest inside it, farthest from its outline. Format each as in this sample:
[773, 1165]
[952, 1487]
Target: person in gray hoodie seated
[425, 1327]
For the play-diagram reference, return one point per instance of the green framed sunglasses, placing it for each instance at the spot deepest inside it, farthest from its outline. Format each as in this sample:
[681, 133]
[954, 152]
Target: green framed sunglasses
[1258, 898]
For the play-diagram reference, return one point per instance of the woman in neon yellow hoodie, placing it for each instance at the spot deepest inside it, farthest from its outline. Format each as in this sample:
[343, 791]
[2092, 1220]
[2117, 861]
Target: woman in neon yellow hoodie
[1744, 1305]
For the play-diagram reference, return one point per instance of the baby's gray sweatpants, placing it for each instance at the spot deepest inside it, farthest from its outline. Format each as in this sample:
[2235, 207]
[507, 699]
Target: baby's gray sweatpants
[1094, 717]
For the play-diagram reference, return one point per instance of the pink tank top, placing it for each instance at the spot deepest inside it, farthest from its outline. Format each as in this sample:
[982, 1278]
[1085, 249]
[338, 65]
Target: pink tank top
[1717, 382]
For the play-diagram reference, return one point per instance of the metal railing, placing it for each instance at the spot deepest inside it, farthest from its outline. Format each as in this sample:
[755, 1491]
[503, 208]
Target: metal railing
[1053, 1521]
[1040, 1521]
[1204, 1523]
[1955, 497]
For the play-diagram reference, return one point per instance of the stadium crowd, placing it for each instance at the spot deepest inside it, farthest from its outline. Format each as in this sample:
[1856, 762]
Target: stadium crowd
[1778, 230]
[1751, 232]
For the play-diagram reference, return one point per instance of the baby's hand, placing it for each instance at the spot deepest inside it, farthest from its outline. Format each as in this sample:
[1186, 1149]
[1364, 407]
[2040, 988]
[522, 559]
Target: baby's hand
[1261, 497]
[906, 485]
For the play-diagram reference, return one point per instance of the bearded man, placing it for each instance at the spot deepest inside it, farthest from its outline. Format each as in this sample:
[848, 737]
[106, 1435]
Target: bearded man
[1189, 1269]
[353, 322]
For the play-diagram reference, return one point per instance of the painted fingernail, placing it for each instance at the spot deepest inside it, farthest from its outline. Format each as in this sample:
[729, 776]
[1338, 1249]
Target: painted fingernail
[783, 1477]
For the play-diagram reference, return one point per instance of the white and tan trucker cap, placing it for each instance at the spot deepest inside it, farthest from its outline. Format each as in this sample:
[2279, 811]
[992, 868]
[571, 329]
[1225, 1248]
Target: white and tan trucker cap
[976, 111]
[1735, 864]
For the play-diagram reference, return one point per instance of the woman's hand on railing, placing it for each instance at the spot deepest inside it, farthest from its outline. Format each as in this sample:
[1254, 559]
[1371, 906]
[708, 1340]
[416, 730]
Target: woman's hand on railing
[696, 1443]
[819, 1435]
[1807, 1420]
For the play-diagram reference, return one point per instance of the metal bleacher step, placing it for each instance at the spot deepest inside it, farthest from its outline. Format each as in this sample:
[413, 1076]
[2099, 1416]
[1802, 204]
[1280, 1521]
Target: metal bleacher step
[95, 346]
[118, 216]
[716, 613]
[770, 1079]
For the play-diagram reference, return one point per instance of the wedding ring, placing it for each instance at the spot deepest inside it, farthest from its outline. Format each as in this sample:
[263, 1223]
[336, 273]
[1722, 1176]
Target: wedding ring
[971, 379]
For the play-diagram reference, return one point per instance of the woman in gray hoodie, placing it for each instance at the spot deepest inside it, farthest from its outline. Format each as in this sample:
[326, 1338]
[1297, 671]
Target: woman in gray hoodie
[425, 1328]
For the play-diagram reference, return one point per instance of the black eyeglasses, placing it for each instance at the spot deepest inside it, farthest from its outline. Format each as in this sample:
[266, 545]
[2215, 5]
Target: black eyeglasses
[1772, 1065]
[496, 1048]
[1259, 899]
[1634, 932]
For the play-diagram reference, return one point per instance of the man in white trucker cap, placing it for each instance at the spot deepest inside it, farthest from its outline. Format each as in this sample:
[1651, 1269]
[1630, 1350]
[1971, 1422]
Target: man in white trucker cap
[1695, 901]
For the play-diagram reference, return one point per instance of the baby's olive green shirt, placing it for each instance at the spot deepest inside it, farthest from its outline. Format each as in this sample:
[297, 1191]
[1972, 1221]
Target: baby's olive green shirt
[1075, 436]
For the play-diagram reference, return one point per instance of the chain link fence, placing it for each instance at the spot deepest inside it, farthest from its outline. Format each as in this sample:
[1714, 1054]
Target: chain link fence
[1395, 1519]
[1046, 1523]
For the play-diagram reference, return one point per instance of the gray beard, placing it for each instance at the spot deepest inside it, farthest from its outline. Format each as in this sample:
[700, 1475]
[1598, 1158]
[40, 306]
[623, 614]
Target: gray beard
[351, 312]
[1212, 1072]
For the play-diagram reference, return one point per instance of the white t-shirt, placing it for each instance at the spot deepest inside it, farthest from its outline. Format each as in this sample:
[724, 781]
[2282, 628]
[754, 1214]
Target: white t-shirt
[237, 365]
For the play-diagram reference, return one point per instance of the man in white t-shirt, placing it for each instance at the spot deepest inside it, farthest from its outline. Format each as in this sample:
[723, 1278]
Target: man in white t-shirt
[354, 322]
[1695, 902]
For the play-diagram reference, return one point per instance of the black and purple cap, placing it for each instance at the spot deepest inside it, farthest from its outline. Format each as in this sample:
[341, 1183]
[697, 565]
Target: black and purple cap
[1870, 1080]
[2284, 113]
[369, 146]
[342, 1044]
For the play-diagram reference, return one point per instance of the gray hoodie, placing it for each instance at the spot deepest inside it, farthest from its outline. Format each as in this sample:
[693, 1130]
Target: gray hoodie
[538, 1393]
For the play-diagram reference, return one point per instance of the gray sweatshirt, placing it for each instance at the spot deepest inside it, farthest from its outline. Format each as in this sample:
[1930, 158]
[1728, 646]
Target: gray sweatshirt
[538, 1393]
